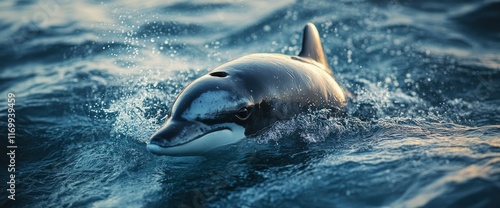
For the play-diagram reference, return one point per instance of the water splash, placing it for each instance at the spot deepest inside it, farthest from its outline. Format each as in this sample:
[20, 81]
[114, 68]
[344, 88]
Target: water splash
[142, 107]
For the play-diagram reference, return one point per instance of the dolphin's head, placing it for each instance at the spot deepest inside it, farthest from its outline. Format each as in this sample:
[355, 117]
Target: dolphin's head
[209, 113]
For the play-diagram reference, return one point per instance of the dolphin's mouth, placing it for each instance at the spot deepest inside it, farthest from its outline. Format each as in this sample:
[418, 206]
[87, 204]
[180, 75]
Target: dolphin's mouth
[156, 142]
[200, 144]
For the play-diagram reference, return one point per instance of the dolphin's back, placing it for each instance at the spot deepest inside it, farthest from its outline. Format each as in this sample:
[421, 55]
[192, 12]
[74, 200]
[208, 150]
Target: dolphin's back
[298, 82]
[285, 78]
[282, 86]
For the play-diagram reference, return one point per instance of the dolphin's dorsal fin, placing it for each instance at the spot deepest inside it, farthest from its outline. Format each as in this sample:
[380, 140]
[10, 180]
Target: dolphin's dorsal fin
[312, 47]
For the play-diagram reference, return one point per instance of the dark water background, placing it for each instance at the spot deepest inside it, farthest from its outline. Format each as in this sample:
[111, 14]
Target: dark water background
[93, 79]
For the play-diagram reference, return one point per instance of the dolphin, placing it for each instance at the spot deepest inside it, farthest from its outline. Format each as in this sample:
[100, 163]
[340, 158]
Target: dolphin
[246, 96]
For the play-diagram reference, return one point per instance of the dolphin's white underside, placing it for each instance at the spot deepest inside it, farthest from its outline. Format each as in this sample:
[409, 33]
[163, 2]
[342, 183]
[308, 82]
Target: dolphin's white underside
[203, 144]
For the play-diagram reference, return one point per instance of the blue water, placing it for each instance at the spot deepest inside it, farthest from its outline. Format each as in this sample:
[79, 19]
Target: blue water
[94, 79]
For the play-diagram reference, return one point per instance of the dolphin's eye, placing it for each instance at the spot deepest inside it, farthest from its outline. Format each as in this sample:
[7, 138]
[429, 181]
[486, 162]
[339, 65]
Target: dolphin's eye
[243, 113]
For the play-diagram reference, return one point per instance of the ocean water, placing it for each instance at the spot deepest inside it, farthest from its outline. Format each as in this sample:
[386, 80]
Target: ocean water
[93, 79]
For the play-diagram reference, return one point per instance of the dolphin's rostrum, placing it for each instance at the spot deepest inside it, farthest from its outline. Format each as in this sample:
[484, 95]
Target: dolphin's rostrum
[247, 95]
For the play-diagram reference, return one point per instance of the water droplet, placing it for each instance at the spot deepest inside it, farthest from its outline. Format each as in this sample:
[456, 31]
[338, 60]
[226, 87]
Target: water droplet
[267, 28]
[387, 80]
[349, 59]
